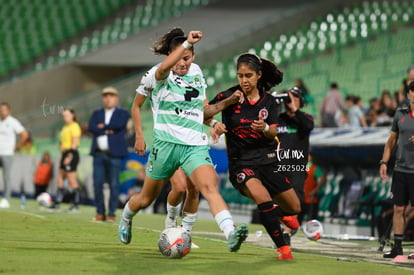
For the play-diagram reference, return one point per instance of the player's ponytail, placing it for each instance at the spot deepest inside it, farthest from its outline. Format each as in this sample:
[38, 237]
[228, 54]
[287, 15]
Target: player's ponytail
[169, 41]
[271, 75]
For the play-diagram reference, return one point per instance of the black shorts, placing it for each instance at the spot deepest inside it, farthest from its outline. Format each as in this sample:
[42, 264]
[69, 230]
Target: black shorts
[275, 182]
[402, 188]
[74, 156]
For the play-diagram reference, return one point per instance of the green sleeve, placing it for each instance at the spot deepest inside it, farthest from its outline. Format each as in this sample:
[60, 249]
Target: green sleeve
[318, 172]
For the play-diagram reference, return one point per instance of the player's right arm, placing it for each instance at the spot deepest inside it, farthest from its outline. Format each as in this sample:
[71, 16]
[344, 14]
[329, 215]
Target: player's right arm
[136, 118]
[388, 149]
[143, 91]
[221, 102]
[175, 55]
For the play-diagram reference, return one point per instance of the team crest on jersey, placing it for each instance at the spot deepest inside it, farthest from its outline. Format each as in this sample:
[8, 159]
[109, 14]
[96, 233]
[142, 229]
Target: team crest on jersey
[241, 177]
[264, 113]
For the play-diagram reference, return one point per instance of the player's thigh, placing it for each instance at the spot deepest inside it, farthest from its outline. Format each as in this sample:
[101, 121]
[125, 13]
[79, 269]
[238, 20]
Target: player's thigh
[194, 157]
[255, 190]
[205, 179]
[163, 160]
[400, 189]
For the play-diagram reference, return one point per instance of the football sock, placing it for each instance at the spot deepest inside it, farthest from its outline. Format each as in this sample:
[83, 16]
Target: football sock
[398, 240]
[270, 220]
[76, 196]
[225, 222]
[173, 211]
[59, 195]
[127, 213]
[188, 221]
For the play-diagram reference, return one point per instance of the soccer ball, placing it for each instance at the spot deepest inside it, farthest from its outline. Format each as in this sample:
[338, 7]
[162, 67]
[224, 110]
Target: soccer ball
[45, 200]
[174, 243]
[313, 230]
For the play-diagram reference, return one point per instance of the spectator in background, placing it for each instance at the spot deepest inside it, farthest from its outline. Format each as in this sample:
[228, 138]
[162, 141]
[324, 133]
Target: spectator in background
[387, 103]
[43, 174]
[342, 119]
[109, 146]
[400, 99]
[375, 116]
[332, 102]
[69, 142]
[358, 102]
[28, 148]
[403, 91]
[9, 128]
[355, 114]
[315, 180]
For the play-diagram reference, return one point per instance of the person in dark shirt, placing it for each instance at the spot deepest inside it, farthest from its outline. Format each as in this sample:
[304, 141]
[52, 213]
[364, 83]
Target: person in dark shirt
[250, 131]
[402, 189]
[293, 131]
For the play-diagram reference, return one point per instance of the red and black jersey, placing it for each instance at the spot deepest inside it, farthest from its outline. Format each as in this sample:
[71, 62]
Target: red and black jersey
[245, 145]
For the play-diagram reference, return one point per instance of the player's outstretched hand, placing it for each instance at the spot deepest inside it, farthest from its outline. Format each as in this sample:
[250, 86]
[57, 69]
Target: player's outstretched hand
[194, 36]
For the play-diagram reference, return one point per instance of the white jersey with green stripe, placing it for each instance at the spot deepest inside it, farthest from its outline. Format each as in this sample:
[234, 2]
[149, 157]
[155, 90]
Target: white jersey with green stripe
[177, 105]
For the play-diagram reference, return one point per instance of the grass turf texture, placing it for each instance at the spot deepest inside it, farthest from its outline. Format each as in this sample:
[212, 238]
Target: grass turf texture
[33, 241]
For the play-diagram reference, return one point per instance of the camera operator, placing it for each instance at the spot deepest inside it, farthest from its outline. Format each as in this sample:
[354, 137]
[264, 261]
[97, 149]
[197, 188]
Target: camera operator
[293, 131]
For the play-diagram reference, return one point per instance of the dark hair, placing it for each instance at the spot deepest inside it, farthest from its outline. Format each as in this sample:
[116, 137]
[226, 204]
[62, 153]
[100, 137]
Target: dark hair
[271, 75]
[356, 99]
[5, 104]
[296, 91]
[169, 41]
[334, 85]
[72, 111]
[411, 86]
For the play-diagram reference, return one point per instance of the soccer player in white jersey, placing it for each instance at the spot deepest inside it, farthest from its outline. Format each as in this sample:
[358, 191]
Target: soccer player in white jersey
[176, 89]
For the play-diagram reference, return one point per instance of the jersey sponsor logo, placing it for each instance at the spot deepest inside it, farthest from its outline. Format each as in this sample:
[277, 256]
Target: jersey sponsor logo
[271, 155]
[246, 133]
[402, 120]
[179, 111]
[243, 120]
[286, 130]
[264, 113]
[236, 109]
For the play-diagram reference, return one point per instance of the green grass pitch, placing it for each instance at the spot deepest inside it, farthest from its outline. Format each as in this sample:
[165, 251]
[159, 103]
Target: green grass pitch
[35, 241]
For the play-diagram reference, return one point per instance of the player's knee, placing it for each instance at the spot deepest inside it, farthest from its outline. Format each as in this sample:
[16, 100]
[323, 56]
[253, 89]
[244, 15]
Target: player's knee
[140, 201]
[193, 193]
[207, 189]
[178, 187]
[399, 210]
[296, 209]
